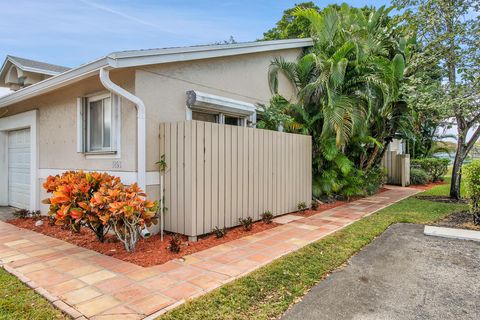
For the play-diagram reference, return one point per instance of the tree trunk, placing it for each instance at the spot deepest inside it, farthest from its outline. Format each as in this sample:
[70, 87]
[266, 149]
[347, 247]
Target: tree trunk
[456, 174]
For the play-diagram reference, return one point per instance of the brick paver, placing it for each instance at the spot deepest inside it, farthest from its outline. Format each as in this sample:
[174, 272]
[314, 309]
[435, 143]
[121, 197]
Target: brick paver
[86, 283]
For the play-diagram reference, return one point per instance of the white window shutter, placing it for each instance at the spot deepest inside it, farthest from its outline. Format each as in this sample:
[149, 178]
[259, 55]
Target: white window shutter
[81, 125]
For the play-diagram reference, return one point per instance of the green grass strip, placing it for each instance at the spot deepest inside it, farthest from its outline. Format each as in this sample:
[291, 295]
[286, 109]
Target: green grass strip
[17, 301]
[269, 291]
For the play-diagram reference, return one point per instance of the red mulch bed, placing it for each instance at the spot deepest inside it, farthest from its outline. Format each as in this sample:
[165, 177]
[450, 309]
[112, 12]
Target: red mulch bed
[321, 207]
[149, 252]
[427, 186]
[326, 206]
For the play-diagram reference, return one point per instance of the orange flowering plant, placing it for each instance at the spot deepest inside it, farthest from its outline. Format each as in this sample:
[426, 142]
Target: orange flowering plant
[100, 202]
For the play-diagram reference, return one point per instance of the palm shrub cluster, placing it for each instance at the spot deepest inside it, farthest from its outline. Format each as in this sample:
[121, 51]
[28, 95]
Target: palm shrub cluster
[348, 95]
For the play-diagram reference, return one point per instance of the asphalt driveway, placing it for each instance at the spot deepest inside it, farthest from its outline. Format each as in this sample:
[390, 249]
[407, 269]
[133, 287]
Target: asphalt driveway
[403, 274]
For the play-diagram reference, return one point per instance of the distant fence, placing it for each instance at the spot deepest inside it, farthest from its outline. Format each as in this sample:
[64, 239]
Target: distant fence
[398, 168]
[219, 173]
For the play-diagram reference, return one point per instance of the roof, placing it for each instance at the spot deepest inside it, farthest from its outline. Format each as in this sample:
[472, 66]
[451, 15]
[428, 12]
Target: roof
[36, 66]
[124, 59]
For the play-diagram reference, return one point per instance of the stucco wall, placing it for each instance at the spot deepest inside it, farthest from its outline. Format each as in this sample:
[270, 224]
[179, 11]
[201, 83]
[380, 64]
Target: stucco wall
[162, 87]
[58, 122]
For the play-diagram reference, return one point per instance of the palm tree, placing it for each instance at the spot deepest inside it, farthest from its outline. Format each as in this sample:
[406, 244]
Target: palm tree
[348, 87]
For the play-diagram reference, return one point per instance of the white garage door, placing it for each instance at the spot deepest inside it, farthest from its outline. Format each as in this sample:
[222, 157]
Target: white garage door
[19, 168]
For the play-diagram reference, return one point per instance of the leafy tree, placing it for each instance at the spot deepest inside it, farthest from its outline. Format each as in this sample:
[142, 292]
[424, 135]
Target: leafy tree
[291, 26]
[450, 33]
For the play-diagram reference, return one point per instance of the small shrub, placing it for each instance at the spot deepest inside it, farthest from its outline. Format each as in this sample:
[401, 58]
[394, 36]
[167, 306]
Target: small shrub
[219, 233]
[314, 205]
[435, 167]
[175, 243]
[374, 180]
[418, 176]
[302, 206]
[471, 175]
[247, 223]
[26, 214]
[267, 217]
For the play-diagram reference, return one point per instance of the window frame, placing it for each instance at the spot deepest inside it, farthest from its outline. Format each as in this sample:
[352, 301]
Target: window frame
[84, 130]
[102, 149]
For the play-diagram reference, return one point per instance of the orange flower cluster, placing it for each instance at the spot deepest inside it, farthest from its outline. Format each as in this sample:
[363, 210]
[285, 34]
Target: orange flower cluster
[98, 201]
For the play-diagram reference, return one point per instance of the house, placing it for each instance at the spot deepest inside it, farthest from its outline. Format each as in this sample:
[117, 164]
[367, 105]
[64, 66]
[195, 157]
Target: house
[105, 115]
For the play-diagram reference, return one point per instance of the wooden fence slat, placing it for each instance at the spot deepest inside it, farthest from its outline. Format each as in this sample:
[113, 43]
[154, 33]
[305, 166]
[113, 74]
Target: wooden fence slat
[215, 176]
[228, 176]
[208, 178]
[189, 179]
[180, 179]
[234, 176]
[244, 162]
[200, 175]
[250, 168]
[221, 177]
[256, 172]
[168, 178]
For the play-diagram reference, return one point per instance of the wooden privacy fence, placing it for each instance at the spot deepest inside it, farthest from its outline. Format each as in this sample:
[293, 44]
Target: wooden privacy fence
[217, 174]
[398, 168]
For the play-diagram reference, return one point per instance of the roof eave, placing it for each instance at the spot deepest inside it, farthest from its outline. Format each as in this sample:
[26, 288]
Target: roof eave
[147, 57]
[55, 82]
[137, 58]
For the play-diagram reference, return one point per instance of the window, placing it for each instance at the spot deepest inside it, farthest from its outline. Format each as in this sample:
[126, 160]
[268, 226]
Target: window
[99, 121]
[207, 117]
[99, 127]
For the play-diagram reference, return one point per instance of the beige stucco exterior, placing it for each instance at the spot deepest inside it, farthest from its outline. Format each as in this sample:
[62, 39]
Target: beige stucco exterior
[162, 88]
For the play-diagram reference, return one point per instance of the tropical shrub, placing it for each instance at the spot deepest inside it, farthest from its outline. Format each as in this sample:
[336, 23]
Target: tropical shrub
[25, 214]
[99, 202]
[435, 167]
[125, 210]
[70, 200]
[471, 176]
[301, 206]
[175, 243]
[418, 176]
[267, 217]
[374, 180]
[247, 223]
[219, 233]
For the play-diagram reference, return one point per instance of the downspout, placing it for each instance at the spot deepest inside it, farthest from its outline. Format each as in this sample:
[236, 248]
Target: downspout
[141, 126]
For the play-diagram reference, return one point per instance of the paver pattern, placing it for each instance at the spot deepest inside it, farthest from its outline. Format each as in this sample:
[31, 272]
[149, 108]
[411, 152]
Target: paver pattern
[87, 284]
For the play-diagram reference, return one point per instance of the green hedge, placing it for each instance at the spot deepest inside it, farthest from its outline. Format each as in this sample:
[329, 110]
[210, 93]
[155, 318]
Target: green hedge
[471, 177]
[418, 176]
[435, 167]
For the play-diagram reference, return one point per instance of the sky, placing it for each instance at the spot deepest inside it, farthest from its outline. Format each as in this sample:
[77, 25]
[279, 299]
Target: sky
[73, 32]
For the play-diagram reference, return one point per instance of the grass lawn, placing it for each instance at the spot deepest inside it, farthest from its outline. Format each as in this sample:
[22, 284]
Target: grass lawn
[444, 189]
[269, 291]
[17, 301]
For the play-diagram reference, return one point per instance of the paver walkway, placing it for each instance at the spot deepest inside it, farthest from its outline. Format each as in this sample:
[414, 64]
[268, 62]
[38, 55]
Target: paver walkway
[85, 283]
